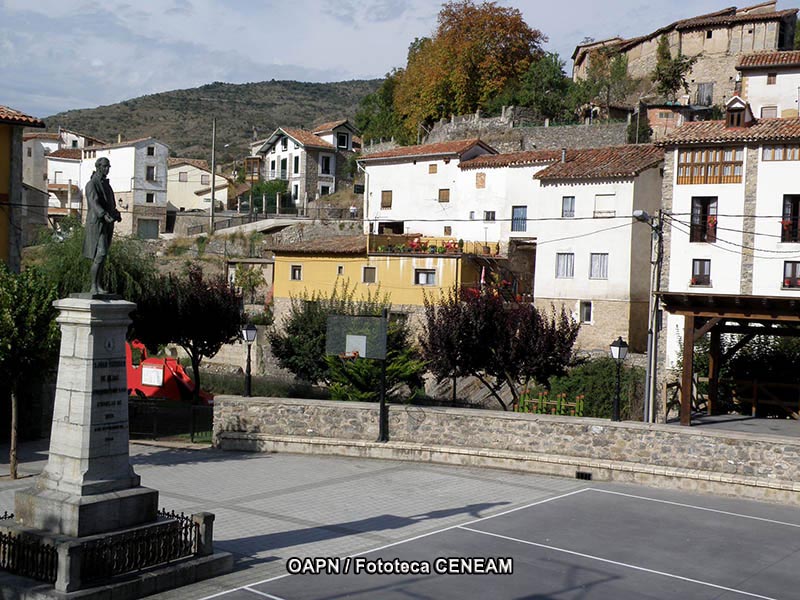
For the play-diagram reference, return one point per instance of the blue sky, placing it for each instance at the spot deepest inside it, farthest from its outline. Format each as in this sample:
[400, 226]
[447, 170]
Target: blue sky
[57, 55]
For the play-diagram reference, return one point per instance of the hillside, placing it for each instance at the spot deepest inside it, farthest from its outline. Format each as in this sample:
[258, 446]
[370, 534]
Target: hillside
[182, 118]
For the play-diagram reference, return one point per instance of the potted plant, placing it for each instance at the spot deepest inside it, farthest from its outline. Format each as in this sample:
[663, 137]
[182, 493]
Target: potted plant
[693, 281]
[787, 282]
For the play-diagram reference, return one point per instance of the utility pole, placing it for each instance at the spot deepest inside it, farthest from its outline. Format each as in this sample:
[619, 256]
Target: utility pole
[213, 172]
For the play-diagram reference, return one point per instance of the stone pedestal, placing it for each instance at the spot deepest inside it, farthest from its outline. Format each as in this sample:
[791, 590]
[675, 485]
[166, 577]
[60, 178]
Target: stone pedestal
[88, 486]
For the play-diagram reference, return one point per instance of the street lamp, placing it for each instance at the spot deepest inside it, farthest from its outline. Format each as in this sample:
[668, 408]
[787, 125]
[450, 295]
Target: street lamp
[619, 350]
[249, 336]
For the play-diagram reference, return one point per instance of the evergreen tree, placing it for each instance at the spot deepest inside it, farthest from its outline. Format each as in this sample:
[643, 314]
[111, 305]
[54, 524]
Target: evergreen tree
[670, 73]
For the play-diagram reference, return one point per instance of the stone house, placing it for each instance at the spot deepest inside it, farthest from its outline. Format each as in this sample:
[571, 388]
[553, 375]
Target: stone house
[718, 39]
[770, 82]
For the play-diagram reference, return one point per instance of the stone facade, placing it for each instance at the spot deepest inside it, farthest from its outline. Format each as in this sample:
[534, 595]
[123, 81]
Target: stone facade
[749, 222]
[765, 468]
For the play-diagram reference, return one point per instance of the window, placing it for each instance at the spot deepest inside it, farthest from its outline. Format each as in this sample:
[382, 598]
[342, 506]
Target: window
[272, 168]
[296, 146]
[325, 165]
[324, 190]
[568, 206]
[368, 274]
[284, 143]
[519, 218]
[150, 198]
[781, 152]
[769, 112]
[709, 34]
[480, 181]
[604, 205]
[296, 273]
[151, 151]
[75, 143]
[565, 265]
[772, 78]
[735, 118]
[705, 93]
[448, 230]
[444, 195]
[386, 199]
[183, 176]
[472, 215]
[30, 152]
[789, 222]
[342, 141]
[296, 165]
[791, 274]
[150, 173]
[488, 215]
[586, 311]
[424, 277]
[710, 165]
[433, 168]
[701, 271]
[340, 270]
[295, 192]
[205, 179]
[598, 266]
[704, 220]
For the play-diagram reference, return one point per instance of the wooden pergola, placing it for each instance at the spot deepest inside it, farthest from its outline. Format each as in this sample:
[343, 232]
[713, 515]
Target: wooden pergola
[716, 314]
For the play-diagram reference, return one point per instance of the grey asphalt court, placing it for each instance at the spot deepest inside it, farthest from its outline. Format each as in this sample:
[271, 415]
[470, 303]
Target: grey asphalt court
[565, 538]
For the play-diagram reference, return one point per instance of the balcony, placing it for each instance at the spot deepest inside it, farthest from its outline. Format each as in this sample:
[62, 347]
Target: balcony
[282, 174]
[418, 245]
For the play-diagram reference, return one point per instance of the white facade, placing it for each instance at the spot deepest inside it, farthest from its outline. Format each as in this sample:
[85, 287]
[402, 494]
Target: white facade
[34, 164]
[185, 180]
[772, 92]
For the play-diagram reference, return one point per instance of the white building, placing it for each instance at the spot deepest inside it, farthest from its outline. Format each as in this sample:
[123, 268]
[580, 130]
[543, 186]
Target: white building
[185, 178]
[770, 83]
[138, 177]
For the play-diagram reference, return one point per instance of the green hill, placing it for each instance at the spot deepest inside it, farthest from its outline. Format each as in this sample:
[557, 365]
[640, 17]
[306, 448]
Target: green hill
[182, 118]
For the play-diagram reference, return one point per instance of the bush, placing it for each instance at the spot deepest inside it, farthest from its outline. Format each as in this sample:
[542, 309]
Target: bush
[233, 384]
[596, 380]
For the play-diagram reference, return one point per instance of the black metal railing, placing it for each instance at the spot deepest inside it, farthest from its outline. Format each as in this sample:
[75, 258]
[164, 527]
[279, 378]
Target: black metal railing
[28, 557]
[140, 549]
[6, 515]
[151, 419]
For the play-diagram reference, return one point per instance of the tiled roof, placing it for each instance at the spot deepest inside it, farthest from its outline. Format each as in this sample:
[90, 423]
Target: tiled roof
[73, 153]
[195, 162]
[512, 159]
[330, 126]
[769, 59]
[122, 144]
[457, 147]
[41, 135]
[704, 132]
[356, 244]
[308, 139]
[14, 117]
[604, 163]
[730, 19]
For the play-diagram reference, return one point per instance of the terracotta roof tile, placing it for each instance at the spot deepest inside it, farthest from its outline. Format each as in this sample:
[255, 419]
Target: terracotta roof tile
[14, 117]
[769, 59]
[356, 244]
[328, 126]
[604, 163]
[730, 19]
[512, 159]
[308, 139]
[195, 162]
[73, 153]
[457, 147]
[41, 135]
[705, 132]
[121, 144]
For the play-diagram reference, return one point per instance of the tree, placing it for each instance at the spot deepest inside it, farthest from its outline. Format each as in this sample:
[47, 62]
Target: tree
[546, 88]
[376, 118]
[28, 337]
[607, 78]
[199, 314]
[670, 73]
[476, 333]
[249, 279]
[474, 53]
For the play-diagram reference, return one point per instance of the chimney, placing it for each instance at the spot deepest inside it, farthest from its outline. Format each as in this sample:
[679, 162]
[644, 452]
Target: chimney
[563, 155]
[119, 138]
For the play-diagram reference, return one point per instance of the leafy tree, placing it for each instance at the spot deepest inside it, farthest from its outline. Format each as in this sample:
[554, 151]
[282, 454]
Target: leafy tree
[476, 333]
[546, 88]
[28, 336]
[607, 78]
[670, 73]
[376, 117]
[199, 314]
[249, 279]
[475, 51]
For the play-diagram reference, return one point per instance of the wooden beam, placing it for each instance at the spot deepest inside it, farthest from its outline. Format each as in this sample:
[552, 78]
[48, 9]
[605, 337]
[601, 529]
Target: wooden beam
[688, 371]
[749, 316]
[768, 331]
[708, 326]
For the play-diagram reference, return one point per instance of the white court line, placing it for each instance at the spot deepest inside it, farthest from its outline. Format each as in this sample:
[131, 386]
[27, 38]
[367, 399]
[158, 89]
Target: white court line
[619, 564]
[263, 594]
[714, 510]
[411, 539]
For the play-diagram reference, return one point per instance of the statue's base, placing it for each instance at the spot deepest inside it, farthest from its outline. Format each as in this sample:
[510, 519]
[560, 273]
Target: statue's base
[79, 516]
[91, 296]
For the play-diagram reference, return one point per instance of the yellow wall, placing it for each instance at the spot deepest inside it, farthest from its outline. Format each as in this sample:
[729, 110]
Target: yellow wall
[5, 189]
[394, 275]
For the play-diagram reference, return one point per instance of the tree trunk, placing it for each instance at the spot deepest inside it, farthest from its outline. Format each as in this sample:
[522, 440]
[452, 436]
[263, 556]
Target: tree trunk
[12, 456]
[492, 390]
[196, 374]
[455, 388]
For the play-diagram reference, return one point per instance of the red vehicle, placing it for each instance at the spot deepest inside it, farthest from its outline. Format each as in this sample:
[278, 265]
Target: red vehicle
[163, 378]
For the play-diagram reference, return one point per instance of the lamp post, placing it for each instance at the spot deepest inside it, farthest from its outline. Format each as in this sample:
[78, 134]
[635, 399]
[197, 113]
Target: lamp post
[619, 350]
[249, 336]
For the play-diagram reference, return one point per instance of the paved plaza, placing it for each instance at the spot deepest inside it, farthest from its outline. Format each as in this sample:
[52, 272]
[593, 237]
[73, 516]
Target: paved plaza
[566, 538]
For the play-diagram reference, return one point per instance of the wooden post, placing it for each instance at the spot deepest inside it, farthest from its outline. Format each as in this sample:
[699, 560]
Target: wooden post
[713, 370]
[688, 370]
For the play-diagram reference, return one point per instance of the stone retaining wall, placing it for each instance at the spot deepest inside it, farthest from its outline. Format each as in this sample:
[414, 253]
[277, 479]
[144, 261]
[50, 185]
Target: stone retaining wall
[729, 462]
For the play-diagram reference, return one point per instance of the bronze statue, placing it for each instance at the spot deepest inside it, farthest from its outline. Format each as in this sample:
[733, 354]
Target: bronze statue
[102, 215]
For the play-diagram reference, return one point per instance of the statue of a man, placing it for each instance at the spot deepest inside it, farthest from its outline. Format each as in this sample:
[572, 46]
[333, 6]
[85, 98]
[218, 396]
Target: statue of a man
[100, 221]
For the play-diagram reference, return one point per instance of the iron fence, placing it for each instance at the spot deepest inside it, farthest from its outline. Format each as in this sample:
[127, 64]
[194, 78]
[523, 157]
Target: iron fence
[140, 549]
[27, 556]
[151, 419]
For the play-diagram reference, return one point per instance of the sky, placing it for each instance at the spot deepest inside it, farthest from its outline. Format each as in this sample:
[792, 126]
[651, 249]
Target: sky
[57, 55]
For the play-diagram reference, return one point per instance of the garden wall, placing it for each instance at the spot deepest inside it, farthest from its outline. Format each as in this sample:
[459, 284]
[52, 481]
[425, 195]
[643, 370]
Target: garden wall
[664, 455]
